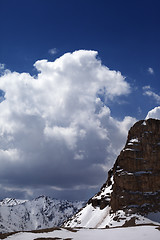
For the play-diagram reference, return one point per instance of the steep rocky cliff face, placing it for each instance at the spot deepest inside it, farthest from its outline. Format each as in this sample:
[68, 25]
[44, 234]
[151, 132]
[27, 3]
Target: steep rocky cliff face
[133, 184]
[137, 170]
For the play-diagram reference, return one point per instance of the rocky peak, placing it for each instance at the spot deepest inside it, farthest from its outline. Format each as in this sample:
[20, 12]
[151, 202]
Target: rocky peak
[137, 170]
[133, 184]
[134, 181]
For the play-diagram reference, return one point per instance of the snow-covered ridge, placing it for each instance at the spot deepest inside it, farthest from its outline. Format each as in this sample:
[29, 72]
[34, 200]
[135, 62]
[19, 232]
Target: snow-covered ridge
[105, 192]
[42, 212]
[11, 202]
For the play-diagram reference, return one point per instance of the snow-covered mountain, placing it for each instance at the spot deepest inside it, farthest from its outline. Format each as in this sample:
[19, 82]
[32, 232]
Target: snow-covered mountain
[11, 202]
[42, 212]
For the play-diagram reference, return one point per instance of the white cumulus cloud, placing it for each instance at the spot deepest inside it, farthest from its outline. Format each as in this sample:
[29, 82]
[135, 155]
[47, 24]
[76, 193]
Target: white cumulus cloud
[154, 113]
[148, 92]
[55, 132]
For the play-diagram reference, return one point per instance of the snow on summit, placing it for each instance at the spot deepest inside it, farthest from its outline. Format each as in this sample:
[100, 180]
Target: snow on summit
[42, 212]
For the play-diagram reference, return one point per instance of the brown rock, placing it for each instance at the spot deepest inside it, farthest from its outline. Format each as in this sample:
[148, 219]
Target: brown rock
[136, 172]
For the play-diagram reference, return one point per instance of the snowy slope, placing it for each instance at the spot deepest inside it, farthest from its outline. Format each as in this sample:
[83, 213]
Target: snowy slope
[92, 215]
[131, 233]
[42, 212]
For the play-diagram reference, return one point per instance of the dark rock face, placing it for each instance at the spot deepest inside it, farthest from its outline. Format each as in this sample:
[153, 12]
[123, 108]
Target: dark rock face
[136, 172]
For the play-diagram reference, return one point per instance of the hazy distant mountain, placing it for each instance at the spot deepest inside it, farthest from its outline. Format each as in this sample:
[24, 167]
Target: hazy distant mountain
[42, 212]
[131, 194]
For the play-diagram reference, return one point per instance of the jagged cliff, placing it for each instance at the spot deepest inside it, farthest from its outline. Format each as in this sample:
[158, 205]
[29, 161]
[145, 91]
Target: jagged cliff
[132, 190]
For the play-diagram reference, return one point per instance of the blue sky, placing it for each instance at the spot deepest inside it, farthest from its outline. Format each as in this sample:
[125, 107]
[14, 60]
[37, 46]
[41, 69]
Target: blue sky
[125, 35]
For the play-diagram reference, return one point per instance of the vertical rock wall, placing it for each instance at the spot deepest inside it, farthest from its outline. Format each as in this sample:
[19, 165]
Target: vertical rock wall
[137, 170]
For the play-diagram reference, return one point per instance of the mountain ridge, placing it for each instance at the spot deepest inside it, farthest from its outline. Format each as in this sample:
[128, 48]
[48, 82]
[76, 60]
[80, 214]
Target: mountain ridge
[11, 202]
[39, 213]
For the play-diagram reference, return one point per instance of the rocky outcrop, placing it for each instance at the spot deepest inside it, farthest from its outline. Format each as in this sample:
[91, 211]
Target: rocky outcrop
[135, 177]
[137, 170]
[133, 184]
